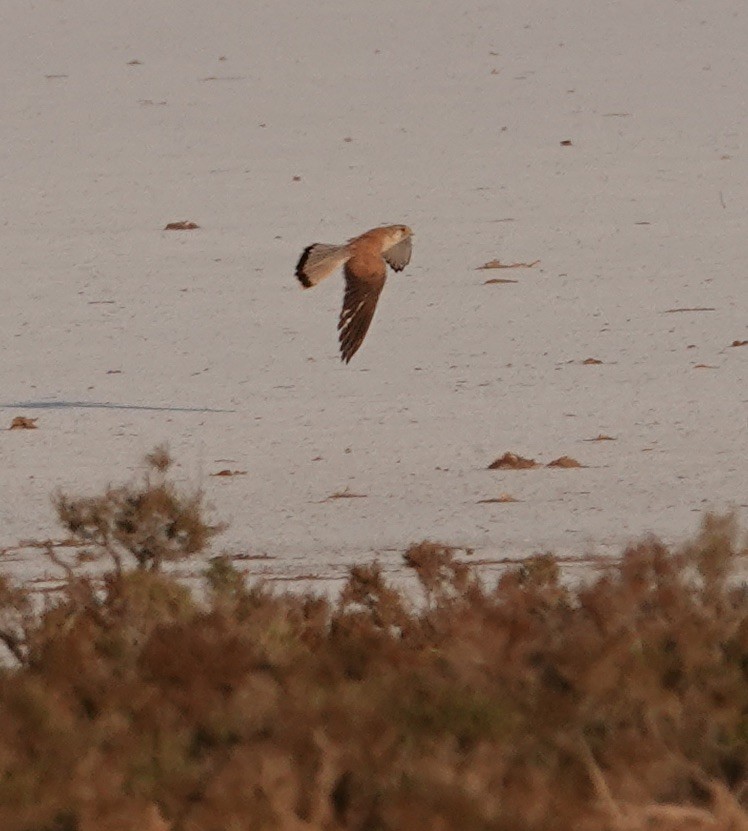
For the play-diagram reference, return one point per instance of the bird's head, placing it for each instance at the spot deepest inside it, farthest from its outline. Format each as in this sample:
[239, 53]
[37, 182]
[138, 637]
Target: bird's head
[397, 233]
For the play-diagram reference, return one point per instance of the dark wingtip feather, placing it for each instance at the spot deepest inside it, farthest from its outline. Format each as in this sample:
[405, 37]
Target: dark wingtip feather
[300, 266]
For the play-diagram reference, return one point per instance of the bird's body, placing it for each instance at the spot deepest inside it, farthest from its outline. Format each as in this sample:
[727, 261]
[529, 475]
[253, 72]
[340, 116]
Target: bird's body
[364, 259]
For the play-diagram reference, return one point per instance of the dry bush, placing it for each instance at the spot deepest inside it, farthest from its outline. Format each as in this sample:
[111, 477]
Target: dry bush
[529, 704]
[150, 520]
[17, 619]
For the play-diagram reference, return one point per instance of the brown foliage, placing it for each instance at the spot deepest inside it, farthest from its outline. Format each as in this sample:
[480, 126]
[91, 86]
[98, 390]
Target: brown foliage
[512, 461]
[23, 423]
[150, 520]
[181, 225]
[564, 461]
[528, 704]
[501, 498]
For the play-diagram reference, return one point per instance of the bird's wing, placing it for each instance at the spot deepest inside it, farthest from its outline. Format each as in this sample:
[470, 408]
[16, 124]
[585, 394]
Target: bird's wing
[399, 255]
[364, 280]
[319, 261]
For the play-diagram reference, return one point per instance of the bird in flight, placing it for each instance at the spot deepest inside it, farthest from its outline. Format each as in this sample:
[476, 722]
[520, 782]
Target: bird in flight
[364, 259]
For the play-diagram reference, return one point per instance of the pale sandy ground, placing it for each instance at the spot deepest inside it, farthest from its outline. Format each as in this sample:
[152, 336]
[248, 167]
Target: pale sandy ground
[446, 116]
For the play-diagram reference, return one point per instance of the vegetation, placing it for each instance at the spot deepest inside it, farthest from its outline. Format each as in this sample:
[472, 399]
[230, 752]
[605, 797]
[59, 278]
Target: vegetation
[129, 702]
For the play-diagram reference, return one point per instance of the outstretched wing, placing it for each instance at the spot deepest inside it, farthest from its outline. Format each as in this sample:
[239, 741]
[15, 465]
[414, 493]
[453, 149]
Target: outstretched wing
[364, 280]
[399, 255]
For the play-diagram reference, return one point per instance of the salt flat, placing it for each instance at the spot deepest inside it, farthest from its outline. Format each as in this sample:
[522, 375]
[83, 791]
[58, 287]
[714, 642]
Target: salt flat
[276, 125]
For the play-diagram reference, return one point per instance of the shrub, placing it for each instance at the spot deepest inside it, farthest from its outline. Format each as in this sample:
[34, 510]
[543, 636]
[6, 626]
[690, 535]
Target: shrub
[525, 704]
[151, 520]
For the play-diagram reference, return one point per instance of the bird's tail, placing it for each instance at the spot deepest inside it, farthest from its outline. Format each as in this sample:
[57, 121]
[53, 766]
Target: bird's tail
[319, 261]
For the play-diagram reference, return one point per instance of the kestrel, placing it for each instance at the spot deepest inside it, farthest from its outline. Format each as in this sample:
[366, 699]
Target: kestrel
[364, 260]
